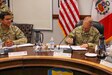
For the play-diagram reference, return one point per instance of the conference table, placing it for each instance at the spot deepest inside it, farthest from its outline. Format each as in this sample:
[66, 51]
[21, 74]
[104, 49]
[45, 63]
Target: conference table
[38, 63]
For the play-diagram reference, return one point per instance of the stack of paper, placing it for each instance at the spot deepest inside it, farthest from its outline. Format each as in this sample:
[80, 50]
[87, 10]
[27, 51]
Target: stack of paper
[107, 61]
[22, 45]
[70, 47]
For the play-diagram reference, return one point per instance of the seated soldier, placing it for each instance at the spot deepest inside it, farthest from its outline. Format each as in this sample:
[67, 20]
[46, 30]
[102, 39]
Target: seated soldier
[10, 34]
[85, 35]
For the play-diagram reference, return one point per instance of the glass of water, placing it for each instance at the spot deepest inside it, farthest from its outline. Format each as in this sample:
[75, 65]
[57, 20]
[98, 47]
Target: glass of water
[1, 49]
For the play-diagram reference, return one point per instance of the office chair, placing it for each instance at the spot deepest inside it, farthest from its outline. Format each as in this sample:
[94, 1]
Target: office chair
[59, 71]
[27, 30]
[96, 24]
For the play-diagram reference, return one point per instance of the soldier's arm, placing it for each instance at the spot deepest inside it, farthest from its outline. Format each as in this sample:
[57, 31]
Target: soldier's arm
[20, 37]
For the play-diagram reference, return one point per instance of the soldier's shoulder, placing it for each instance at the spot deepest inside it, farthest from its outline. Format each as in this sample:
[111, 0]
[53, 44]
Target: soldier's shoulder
[78, 28]
[95, 29]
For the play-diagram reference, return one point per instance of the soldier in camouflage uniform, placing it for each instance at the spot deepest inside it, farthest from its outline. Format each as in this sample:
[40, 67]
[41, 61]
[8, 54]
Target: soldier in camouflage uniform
[85, 35]
[10, 34]
[4, 7]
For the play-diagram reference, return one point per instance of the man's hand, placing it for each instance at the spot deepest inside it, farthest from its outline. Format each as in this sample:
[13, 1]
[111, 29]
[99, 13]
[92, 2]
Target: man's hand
[84, 46]
[69, 40]
[8, 43]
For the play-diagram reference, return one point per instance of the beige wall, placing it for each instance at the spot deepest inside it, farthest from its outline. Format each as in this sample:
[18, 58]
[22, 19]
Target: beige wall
[56, 33]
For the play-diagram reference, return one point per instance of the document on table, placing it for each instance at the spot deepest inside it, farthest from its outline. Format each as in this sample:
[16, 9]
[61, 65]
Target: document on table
[22, 45]
[70, 47]
[106, 63]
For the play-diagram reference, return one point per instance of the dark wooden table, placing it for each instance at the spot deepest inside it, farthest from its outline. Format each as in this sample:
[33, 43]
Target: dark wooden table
[38, 63]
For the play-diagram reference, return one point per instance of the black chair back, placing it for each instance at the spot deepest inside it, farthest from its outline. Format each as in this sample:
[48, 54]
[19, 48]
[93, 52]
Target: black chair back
[27, 30]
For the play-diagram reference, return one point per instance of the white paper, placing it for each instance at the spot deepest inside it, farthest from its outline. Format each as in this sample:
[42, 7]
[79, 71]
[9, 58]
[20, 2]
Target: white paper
[71, 47]
[22, 45]
[25, 45]
[78, 48]
[21, 53]
[106, 63]
[14, 46]
[62, 54]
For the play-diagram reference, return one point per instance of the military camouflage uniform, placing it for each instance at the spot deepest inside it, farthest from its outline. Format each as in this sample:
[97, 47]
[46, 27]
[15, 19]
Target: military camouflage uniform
[4, 8]
[91, 38]
[13, 33]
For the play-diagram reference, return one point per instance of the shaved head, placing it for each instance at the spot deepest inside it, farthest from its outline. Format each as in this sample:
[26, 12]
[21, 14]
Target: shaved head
[87, 24]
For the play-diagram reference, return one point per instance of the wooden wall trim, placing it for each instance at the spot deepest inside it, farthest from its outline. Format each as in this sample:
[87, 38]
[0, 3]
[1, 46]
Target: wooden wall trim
[55, 16]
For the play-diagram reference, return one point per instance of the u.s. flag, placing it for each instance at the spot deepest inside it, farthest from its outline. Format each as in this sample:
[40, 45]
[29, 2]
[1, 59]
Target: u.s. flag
[102, 12]
[68, 15]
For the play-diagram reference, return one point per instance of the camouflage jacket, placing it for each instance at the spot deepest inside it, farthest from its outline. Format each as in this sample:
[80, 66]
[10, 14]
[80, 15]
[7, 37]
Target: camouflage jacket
[13, 33]
[4, 8]
[91, 38]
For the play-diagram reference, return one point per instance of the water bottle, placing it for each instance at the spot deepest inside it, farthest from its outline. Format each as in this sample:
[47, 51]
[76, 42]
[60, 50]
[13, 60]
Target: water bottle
[51, 44]
[1, 50]
[0, 43]
[101, 52]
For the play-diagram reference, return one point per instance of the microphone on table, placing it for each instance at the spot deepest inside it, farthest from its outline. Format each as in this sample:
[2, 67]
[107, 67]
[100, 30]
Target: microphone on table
[69, 45]
[61, 42]
[66, 50]
[71, 49]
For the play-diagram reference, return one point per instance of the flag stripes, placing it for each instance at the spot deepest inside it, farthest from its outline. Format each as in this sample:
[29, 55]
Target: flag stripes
[68, 15]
